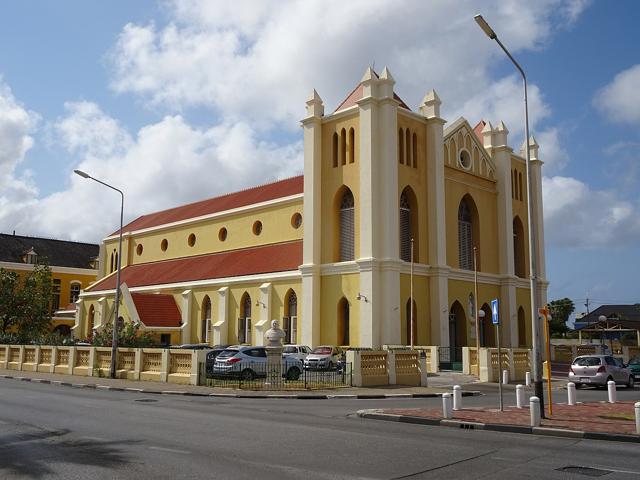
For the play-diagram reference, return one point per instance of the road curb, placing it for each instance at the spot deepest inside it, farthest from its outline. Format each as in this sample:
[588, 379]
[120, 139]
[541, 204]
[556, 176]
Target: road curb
[292, 396]
[375, 414]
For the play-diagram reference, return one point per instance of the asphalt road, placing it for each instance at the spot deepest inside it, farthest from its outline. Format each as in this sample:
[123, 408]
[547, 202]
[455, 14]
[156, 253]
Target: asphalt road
[57, 432]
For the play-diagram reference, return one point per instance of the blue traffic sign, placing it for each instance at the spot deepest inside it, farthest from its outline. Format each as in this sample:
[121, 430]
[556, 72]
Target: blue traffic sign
[494, 311]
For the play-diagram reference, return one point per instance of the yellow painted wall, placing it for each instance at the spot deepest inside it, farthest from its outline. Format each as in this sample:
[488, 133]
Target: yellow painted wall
[333, 178]
[523, 299]
[333, 288]
[519, 208]
[421, 297]
[459, 290]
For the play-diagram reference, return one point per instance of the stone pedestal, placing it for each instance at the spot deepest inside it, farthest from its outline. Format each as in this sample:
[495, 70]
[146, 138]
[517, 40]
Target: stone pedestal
[274, 337]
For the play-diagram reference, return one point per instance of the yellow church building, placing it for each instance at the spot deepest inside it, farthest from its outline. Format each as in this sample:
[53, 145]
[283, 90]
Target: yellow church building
[330, 253]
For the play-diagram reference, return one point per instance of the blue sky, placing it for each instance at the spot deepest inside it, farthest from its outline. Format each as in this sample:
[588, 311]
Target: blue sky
[182, 100]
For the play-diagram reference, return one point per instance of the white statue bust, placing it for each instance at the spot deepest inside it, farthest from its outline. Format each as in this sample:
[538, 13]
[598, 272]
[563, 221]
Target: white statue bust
[274, 335]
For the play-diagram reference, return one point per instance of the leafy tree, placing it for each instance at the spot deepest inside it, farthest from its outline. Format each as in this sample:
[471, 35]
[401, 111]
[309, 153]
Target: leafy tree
[9, 299]
[129, 335]
[560, 311]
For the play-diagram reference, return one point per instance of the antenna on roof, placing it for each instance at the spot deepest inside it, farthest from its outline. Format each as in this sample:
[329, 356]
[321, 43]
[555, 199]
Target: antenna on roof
[373, 67]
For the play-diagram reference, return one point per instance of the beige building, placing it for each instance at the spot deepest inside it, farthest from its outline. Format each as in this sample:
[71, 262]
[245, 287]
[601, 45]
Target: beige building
[329, 253]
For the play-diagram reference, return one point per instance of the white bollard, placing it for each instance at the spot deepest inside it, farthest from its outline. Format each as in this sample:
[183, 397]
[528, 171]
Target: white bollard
[447, 411]
[527, 379]
[636, 406]
[611, 387]
[571, 393]
[534, 408]
[505, 377]
[520, 396]
[457, 397]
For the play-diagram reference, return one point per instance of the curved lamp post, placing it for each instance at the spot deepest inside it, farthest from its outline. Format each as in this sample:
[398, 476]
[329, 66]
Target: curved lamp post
[537, 359]
[114, 341]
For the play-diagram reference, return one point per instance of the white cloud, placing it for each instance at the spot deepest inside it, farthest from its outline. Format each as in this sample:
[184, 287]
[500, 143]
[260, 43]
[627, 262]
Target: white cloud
[552, 152]
[620, 99]
[578, 217]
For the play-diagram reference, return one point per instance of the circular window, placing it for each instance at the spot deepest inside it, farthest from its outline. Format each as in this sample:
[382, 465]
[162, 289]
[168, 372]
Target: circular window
[257, 227]
[222, 234]
[139, 249]
[192, 240]
[164, 244]
[296, 220]
[465, 159]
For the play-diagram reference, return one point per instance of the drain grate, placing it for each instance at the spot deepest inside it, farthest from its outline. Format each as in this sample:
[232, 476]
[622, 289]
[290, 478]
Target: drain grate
[145, 400]
[587, 471]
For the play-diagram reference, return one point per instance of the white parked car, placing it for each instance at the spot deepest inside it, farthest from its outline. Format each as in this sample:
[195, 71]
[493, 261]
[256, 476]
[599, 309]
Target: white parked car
[296, 351]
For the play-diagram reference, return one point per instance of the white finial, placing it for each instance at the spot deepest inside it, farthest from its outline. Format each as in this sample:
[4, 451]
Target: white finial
[487, 135]
[369, 74]
[315, 108]
[430, 105]
[386, 75]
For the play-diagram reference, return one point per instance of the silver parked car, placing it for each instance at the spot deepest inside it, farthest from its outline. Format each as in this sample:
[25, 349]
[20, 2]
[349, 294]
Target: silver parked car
[249, 363]
[598, 370]
[296, 351]
[324, 357]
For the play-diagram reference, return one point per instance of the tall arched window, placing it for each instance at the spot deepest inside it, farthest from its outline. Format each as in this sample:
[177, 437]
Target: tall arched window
[487, 330]
[513, 184]
[343, 147]
[465, 236]
[352, 145]
[205, 326]
[335, 149]
[401, 146]
[343, 322]
[115, 264]
[244, 322]
[91, 321]
[405, 228]
[407, 146]
[290, 321]
[522, 328]
[520, 185]
[347, 227]
[415, 151]
[111, 265]
[412, 322]
[457, 331]
[518, 248]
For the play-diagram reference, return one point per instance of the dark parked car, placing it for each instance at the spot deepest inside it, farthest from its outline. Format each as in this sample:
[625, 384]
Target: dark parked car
[210, 361]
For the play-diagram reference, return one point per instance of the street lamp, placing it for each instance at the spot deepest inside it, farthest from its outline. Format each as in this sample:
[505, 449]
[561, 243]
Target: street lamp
[114, 341]
[537, 360]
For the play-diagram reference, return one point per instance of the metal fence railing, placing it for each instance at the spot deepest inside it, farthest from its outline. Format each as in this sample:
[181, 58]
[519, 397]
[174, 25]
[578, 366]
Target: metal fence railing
[450, 358]
[259, 376]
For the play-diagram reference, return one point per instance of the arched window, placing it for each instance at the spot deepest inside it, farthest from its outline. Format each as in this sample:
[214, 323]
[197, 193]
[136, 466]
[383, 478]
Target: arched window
[412, 322]
[205, 325]
[75, 292]
[343, 147]
[408, 147]
[457, 331]
[415, 151]
[91, 321]
[244, 322]
[335, 149]
[115, 264]
[343, 322]
[520, 185]
[347, 227]
[522, 328]
[465, 236]
[487, 330]
[518, 248]
[290, 321]
[111, 265]
[405, 228]
[401, 146]
[513, 184]
[352, 145]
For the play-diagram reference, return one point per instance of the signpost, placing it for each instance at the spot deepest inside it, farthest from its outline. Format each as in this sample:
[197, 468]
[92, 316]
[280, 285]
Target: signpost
[496, 321]
[544, 313]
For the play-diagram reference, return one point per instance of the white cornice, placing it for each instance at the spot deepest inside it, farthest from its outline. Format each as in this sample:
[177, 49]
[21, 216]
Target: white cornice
[288, 275]
[54, 269]
[340, 114]
[216, 215]
[339, 268]
[470, 184]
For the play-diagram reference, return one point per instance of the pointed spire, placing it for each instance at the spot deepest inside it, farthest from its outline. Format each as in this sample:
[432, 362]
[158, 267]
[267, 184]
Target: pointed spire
[369, 74]
[430, 105]
[315, 108]
[502, 127]
[386, 75]
[533, 148]
[487, 135]
[500, 135]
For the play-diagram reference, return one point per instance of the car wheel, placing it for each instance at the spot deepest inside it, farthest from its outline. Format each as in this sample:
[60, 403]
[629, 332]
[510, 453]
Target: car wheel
[248, 375]
[631, 382]
[293, 373]
[578, 385]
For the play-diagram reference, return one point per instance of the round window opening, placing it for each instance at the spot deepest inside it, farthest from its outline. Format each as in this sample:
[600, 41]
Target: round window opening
[257, 227]
[164, 245]
[465, 159]
[222, 234]
[296, 220]
[139, 249]
[192, 240]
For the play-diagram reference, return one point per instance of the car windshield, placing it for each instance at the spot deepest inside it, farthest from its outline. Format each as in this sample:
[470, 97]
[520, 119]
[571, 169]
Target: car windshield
[289, 350]
[587, 361]
[227, 353]
[322, 351]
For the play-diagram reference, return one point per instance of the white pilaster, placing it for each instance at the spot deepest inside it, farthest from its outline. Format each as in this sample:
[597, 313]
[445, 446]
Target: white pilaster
[78, 330]
[264, 309]
[187, 303]
[221, 325]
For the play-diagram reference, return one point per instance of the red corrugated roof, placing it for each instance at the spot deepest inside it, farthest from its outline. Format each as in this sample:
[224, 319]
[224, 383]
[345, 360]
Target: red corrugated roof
[478, 130]
[262, 193]
[357, 94]
[157, 310]
[278, 257]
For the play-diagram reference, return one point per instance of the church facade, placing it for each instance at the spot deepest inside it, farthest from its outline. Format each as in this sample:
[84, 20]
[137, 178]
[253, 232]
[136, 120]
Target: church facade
[377, 243]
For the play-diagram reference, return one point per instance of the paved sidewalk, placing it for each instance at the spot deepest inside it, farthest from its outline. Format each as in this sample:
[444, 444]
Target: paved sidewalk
[392, 391]
[598, 420]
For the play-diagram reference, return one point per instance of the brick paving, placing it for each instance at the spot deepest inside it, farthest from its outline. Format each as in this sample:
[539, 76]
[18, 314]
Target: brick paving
[585, 417]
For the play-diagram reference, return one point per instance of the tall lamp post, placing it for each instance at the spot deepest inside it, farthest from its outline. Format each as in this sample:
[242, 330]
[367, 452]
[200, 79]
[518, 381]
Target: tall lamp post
[535, 323]
[114, 341]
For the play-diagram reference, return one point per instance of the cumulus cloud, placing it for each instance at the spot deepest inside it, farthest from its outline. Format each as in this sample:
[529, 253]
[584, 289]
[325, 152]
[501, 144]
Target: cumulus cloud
[620, 99]
[552, 152]
[578, 216]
